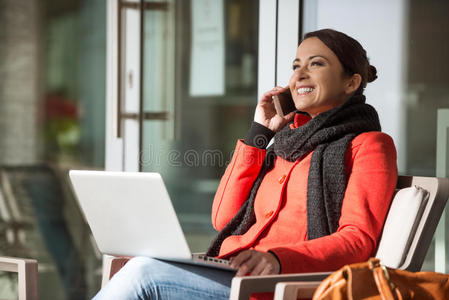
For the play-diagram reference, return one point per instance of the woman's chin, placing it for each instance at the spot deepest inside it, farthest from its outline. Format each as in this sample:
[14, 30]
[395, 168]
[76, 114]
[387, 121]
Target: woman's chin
[301, 106]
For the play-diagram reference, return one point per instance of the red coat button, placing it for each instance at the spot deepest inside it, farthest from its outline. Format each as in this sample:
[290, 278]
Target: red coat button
[282, 179]
[269, 214]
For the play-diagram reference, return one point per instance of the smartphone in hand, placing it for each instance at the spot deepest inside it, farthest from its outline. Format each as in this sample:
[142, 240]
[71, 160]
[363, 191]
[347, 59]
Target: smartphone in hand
[283, 103]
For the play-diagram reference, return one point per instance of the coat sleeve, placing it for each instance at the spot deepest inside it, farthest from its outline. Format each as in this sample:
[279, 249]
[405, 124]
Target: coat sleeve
[368, 195]
[236, 183]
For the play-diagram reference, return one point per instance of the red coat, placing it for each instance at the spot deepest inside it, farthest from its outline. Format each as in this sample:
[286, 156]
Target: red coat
[281, 213]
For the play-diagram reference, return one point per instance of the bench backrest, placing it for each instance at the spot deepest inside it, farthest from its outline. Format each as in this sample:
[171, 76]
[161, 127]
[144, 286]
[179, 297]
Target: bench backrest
[412, 220]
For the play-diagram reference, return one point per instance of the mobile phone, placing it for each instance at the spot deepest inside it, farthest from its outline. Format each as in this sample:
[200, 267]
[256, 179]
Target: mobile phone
[283, 103]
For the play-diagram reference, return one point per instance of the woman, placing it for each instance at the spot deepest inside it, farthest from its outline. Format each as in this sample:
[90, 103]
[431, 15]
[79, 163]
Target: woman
[314, 201]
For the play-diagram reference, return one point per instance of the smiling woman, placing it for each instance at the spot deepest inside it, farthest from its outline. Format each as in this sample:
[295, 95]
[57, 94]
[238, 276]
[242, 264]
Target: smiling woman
[319, 82]
[326, 74]
[313, 201]
[310, 205]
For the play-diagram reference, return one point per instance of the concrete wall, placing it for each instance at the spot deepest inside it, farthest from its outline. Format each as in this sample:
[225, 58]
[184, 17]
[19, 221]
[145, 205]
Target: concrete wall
[20, 58]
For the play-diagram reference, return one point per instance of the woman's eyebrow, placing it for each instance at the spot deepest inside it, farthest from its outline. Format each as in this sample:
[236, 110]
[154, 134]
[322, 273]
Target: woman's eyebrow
[310, 57]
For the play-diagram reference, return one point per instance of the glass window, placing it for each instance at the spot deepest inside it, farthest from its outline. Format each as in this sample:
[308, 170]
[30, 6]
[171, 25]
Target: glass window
[213, 82]
[427, 94]
[52, 116]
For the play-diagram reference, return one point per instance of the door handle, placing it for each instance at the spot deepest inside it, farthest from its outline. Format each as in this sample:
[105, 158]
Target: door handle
[160, 115]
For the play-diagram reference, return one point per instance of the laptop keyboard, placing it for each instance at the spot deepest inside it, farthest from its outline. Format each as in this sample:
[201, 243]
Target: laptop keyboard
[212, 259]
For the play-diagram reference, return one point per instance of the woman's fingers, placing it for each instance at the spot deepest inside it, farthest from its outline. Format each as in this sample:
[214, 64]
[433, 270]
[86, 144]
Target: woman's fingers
[268, 270]
[290, 116]
[267, 96]
[248, 260]
[237, 261]
[258, 268]
[267, 264]
[250, 264]
[273, 267]
[255, 263]
[265, 113]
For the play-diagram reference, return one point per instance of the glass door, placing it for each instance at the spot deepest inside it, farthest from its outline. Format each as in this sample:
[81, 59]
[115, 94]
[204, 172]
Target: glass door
[182, 89]
[200, 67]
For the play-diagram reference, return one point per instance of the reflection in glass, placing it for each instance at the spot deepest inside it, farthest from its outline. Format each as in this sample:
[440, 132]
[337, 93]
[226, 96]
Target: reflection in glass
[52, 77]
[427, 91]
[192, 148]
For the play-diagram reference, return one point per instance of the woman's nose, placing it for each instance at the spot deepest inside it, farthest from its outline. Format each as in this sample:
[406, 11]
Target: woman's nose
[301, 73]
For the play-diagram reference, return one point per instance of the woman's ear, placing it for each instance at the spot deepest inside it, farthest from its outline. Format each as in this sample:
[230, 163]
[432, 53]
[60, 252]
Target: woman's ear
[353, 83]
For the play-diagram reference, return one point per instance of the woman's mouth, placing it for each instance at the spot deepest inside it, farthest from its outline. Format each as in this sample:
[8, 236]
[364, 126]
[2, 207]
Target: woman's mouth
[304, 90]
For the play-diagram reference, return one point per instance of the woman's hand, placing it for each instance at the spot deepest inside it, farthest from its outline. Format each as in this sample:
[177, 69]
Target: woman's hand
[254, 262]
[266, 113]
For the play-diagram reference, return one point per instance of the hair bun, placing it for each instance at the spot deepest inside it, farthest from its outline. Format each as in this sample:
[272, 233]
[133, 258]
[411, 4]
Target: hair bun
[372, 73]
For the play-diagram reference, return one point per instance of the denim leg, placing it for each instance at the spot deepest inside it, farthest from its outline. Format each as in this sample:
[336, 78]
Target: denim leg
[148, 278]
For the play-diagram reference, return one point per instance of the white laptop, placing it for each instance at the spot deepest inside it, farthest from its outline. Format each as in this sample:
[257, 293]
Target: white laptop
[130, 214]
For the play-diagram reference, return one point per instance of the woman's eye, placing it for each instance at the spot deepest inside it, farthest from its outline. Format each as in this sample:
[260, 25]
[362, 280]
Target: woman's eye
[316, 63]
[295, 67]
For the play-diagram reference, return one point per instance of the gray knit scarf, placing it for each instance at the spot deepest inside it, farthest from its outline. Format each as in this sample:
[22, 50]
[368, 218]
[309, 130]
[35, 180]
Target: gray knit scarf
[328, 135]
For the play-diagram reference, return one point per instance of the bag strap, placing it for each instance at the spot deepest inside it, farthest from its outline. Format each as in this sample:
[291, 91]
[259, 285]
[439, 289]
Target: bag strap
[386, 288]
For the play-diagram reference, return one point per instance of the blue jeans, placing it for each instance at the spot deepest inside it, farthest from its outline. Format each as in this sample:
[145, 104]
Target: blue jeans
[148, 278]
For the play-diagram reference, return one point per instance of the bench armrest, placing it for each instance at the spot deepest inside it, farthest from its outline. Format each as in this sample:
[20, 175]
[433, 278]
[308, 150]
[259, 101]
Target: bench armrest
[295, 290]
[27, 274]
[243, 287]
[111, 265]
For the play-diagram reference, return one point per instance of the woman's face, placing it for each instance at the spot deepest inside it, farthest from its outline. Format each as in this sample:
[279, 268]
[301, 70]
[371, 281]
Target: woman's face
[317, 83]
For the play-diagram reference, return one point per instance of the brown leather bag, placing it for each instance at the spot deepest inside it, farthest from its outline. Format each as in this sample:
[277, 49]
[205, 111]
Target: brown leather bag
[370, 280]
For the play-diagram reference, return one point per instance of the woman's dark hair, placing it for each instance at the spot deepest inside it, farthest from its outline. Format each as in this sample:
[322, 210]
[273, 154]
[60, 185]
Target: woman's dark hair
[350, 54]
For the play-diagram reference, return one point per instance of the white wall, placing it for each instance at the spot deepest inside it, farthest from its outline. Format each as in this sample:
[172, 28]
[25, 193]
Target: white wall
[267, 46]
[287, 39]
[277, 49]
